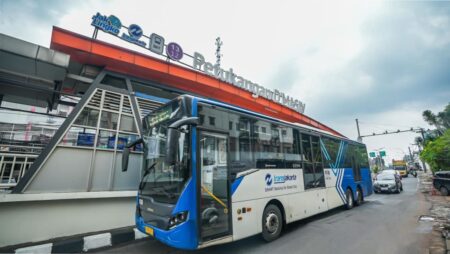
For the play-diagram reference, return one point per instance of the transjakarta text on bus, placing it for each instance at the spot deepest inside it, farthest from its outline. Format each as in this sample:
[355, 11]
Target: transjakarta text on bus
[214, 173]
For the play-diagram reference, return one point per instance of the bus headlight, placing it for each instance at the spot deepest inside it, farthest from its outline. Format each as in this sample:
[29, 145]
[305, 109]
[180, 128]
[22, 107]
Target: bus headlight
[178, 218]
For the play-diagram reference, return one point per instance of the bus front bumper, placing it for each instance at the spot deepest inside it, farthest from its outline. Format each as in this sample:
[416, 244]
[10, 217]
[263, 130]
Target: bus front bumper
[182, 236]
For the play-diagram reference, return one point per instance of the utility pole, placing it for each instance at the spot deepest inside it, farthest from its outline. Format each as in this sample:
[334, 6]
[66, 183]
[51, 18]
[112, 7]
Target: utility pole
[422, 133]
[410, 154]
[357, 127]
[423, 163]
[420, 150]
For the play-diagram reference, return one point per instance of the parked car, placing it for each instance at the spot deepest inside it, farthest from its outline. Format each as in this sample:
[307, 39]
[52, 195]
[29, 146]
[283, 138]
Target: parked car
[441, 181]
[388, 182]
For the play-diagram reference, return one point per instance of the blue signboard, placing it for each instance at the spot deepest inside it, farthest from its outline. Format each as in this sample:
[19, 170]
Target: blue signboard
[134, 34]
[85, 139]
[109, 24]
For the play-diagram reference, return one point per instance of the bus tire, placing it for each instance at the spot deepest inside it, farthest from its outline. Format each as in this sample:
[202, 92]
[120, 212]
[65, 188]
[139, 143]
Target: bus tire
[359, 197]
[349, 202]
[272, 223]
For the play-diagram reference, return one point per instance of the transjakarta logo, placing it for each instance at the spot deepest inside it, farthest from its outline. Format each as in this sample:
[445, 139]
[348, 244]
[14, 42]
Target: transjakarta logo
[268, 179]
[279, 179]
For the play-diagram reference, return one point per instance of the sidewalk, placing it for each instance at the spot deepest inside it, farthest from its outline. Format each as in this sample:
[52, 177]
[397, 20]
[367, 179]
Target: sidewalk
[439, 213]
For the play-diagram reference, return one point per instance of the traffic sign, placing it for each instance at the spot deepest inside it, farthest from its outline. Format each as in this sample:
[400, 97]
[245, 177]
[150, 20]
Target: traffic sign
[382, 153]
[372, 155]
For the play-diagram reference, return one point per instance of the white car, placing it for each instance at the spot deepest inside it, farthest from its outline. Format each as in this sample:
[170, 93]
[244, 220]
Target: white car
[387, 182]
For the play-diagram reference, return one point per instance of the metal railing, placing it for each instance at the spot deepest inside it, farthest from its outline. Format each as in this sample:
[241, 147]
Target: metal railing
[13, 167]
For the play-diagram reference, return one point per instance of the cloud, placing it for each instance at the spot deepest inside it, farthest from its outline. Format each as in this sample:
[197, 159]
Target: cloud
[404, 58]
[285, 76]
[32, 20]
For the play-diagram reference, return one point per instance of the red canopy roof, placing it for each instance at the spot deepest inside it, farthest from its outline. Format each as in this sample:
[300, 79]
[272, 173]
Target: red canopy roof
[94, 52]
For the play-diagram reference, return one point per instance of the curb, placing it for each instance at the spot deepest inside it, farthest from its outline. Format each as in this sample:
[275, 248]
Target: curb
[81, 243]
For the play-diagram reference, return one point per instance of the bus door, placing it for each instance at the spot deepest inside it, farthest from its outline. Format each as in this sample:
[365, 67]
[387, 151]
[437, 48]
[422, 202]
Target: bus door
[214, 186]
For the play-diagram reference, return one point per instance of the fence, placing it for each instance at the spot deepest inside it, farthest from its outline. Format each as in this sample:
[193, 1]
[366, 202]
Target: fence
[13, 167]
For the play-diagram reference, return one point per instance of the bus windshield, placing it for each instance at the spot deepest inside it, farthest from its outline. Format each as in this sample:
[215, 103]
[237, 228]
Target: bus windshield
[164, 182]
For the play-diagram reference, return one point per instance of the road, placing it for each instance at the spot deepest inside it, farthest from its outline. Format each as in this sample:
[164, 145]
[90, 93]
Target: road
[385, 223]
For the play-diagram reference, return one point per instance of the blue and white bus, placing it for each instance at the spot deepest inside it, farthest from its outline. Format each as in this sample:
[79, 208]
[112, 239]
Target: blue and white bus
[215, 173]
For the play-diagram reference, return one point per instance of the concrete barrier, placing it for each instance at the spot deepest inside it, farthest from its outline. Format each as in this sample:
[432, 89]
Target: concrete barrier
[30, 218]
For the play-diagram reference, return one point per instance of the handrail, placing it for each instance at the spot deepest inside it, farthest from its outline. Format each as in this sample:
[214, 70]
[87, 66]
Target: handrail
[13, 167]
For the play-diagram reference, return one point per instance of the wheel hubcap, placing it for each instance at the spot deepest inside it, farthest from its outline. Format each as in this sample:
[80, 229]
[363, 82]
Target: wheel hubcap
[350, 199]
[272, 223]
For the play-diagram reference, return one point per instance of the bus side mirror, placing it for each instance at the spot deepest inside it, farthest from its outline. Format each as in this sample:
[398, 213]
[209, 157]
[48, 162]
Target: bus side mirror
[126, 153]
[173, 135]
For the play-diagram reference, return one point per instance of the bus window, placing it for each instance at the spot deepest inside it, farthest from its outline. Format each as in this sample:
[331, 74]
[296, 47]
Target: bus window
[267, 146]
[241, 157]
[330, 151]
[363, 157]
[308, 169]
[352, 161]
[317, 160]
[312, 164]
[290, 142]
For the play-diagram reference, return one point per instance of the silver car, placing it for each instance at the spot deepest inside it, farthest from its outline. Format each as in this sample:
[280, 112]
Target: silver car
[387, 182]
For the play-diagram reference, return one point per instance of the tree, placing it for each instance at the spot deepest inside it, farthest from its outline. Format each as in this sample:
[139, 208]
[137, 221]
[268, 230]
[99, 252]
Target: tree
[376, 170]
[437, 152]
[444, 117]
[441, 120]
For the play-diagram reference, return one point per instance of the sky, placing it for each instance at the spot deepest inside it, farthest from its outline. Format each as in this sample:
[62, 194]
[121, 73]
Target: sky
[383, 62]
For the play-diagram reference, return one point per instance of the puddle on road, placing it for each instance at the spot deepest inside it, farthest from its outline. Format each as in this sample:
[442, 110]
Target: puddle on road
[426, 218]
[425, 224]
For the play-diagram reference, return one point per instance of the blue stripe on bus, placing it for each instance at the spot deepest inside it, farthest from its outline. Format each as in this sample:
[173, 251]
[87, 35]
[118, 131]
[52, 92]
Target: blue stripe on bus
[324, 149]
[339, 182]
[236, 184]
[336, 163]
[151, 97]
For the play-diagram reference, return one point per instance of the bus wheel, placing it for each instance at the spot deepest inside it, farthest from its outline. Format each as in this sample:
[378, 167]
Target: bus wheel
[359, 196]
[272, 223]
[349, 199]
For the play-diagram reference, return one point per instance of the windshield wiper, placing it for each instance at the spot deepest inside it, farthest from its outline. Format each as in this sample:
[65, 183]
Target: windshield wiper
[147, 171]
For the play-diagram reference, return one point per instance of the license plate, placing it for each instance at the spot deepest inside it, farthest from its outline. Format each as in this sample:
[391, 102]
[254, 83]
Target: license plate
[149, 230]
[384, 189]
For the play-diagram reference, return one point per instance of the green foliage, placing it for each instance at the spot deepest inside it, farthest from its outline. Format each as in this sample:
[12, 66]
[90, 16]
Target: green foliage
[437, 152]
[376, 170]
[441, 120]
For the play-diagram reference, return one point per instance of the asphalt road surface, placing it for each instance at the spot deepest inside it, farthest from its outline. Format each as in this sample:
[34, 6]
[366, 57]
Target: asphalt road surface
[385, 223]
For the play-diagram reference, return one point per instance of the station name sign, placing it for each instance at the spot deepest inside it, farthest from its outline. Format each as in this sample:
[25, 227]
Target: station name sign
[236, 80]
[156, 43]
